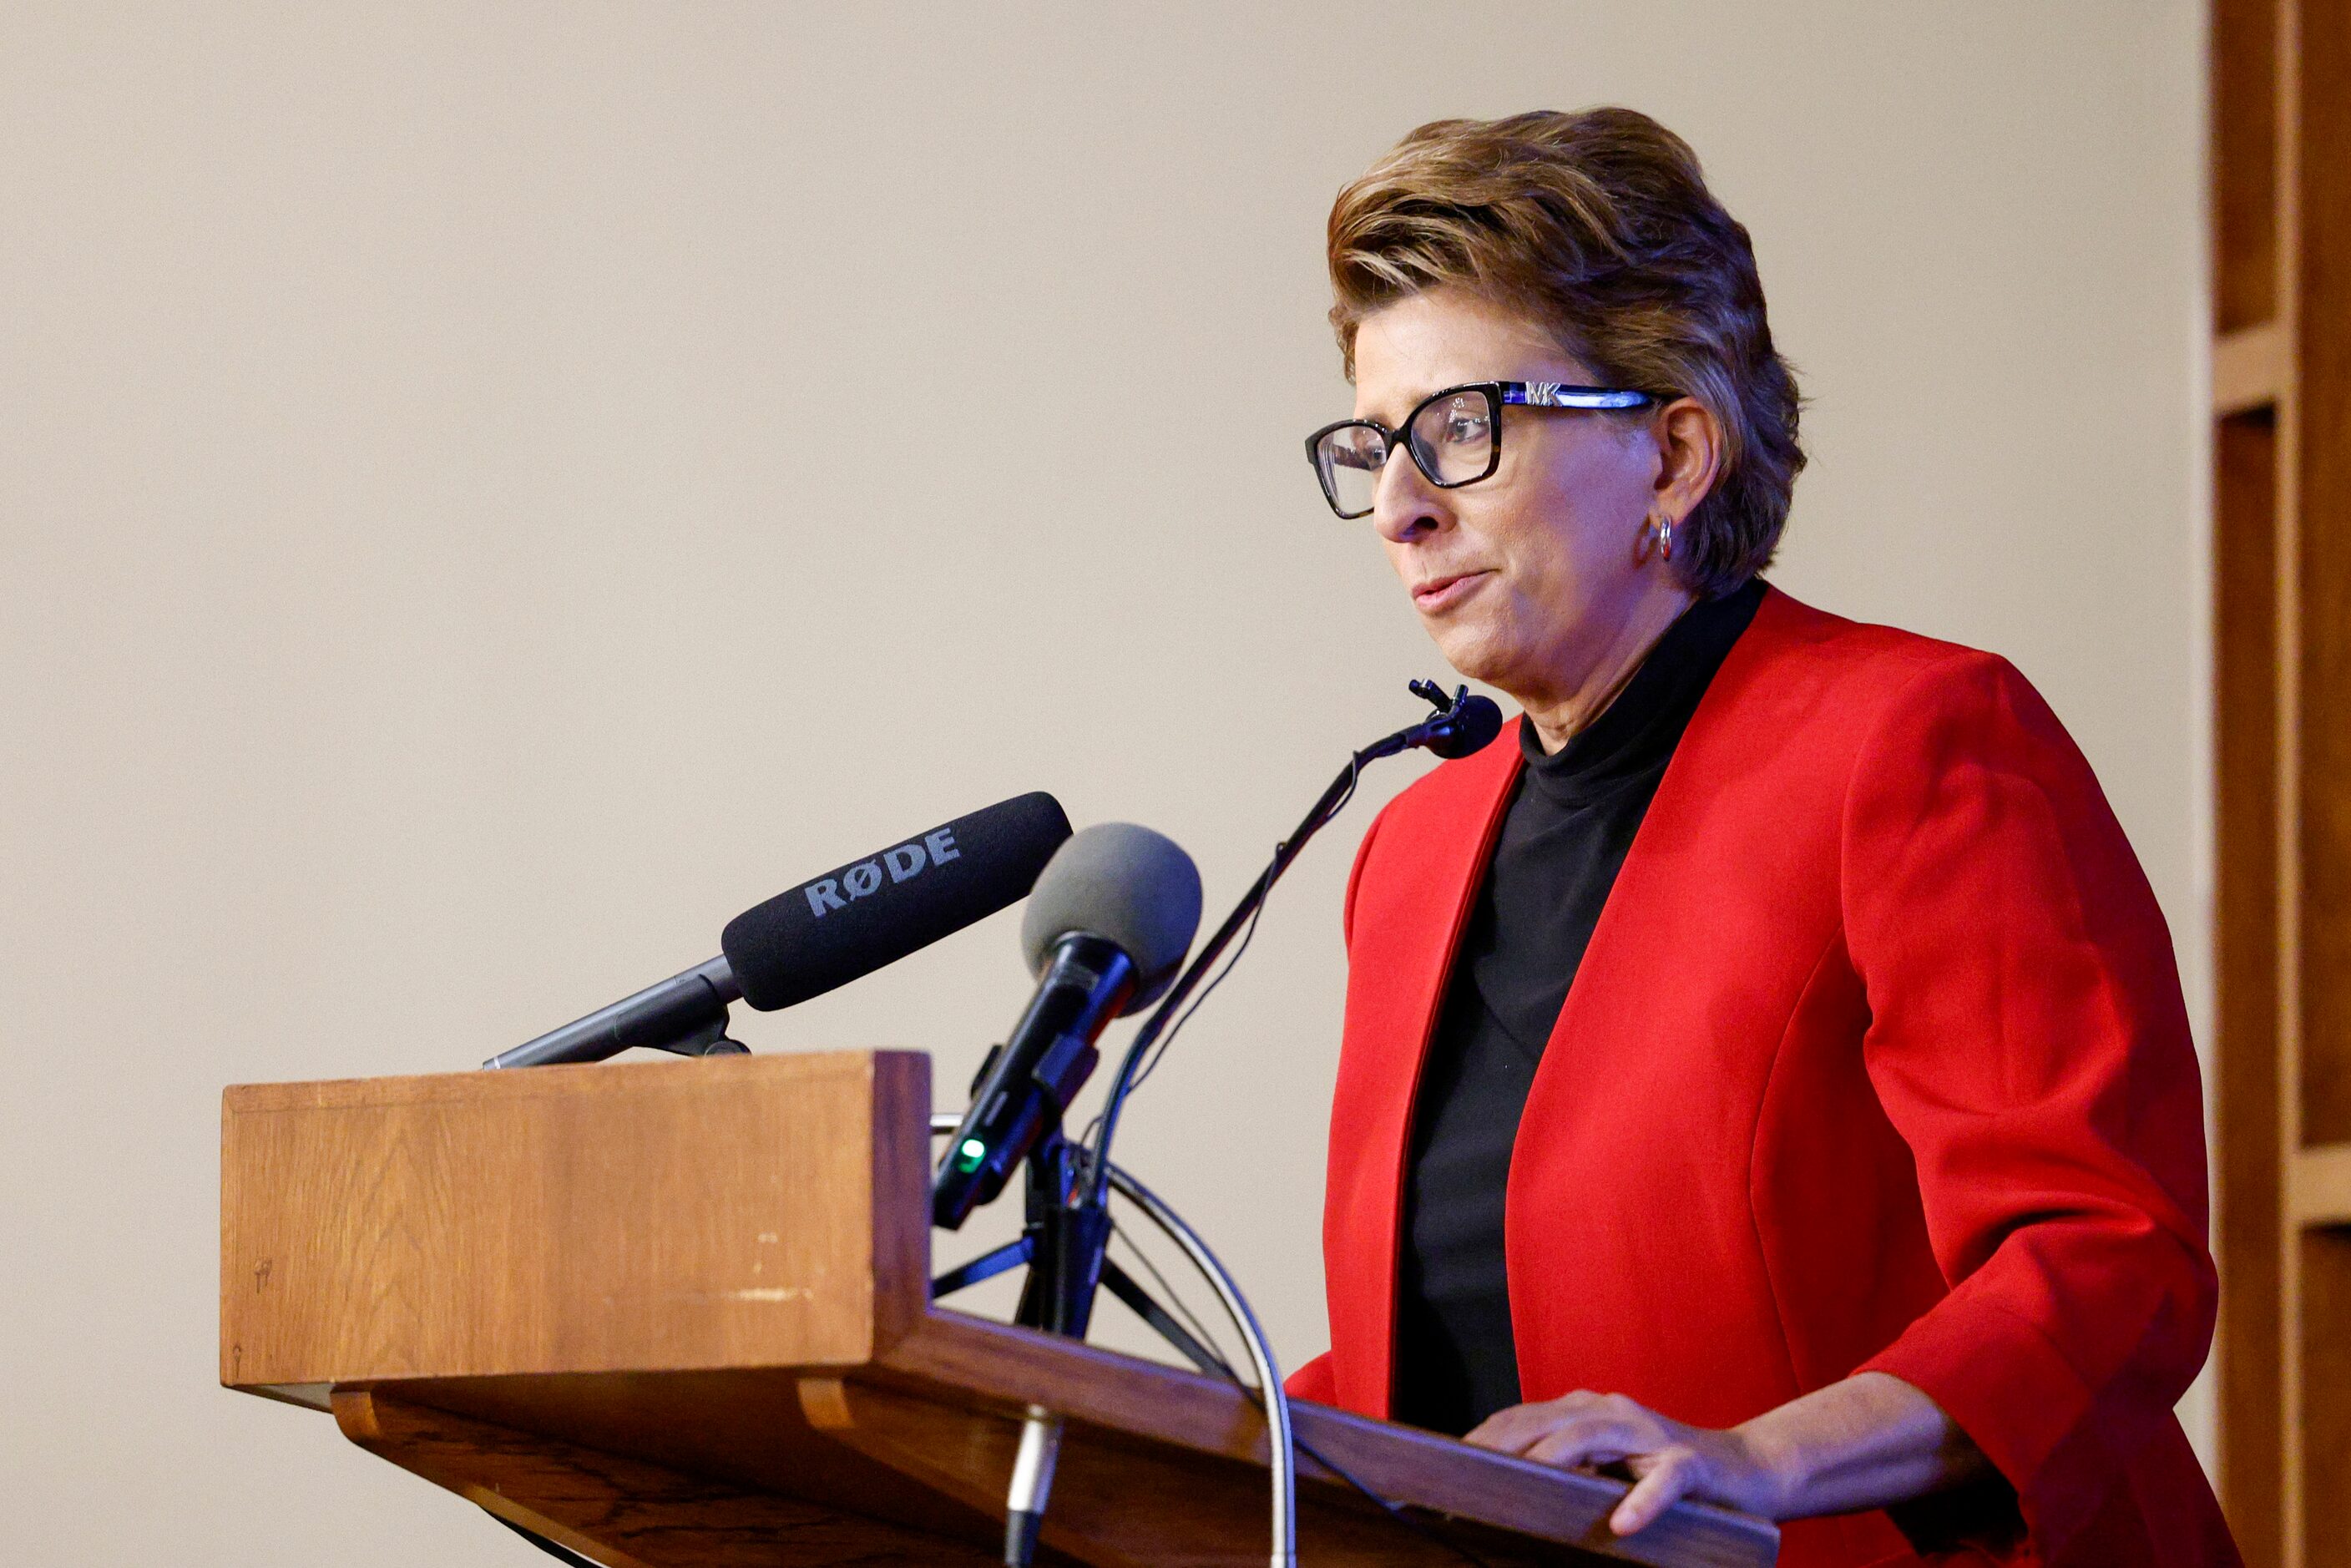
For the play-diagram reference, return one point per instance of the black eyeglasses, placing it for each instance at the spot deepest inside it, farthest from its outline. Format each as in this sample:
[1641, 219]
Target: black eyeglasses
[1455, 437]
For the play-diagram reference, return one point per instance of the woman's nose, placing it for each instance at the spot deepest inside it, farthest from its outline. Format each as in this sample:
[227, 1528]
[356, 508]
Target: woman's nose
[1406, 506]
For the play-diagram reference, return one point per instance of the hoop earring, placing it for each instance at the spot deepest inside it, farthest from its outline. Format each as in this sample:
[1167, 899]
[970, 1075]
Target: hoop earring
[1661, 532]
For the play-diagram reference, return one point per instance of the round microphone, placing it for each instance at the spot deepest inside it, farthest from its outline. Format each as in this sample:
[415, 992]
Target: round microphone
[1134, 889]
[1106, 928]
[1471, 727]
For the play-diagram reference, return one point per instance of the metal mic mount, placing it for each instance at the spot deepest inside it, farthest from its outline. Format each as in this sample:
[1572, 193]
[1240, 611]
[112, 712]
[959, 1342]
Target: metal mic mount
[686, 1013]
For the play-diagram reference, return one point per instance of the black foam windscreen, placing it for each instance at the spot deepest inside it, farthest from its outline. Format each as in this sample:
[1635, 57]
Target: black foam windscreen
[850, 922]
[1481, 721]
[1134, 888]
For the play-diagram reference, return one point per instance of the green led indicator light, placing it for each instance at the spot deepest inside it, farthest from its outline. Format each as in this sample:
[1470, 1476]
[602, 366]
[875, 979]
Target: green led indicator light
[971, 1154]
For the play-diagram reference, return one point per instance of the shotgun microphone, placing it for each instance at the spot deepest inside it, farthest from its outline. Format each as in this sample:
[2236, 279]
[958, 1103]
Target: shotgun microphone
[825, 933]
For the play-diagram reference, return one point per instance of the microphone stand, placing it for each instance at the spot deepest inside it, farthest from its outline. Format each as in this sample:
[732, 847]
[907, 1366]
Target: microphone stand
[1067, 1231]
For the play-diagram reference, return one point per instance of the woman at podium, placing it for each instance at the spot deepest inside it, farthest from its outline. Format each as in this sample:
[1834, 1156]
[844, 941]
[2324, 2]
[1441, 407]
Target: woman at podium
[1765, 1068]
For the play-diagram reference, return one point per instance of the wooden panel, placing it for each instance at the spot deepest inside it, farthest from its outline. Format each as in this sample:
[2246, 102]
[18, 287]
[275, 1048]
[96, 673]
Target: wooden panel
[741, 1428]
[623, 1512]
[925, 1438]
[2249, 370]
[2245, 680]
[2325, 1471]
[1119, 1502]
[2286, 1320]
[2320, 1191]
[707, 1213]
[1016, 1368]
[2322, 194]
[2244, 162]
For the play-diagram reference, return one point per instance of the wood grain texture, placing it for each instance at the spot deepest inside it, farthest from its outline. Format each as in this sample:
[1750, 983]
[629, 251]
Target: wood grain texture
[2247, 1080]
[923, 1437]
[624, 1512]
[715, 1212]
[1121, 1502]
[2282, 214]
[2321, 336]
[2245, 44]
[1014, 1367]
[743, 1428]
[2325, 1368]
[2316, 747]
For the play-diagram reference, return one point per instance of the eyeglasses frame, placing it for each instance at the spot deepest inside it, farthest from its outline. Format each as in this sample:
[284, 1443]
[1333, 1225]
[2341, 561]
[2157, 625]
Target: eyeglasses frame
[1499, 396]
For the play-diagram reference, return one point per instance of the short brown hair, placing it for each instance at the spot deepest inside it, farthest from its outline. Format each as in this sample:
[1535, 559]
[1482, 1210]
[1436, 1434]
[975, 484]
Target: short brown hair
[1598, 225]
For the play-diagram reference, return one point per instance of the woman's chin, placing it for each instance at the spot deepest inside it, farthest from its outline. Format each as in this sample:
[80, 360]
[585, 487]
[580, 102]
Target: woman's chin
[1474, 657]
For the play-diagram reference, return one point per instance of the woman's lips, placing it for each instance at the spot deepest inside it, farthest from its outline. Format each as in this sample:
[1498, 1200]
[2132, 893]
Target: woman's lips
[1441, 594]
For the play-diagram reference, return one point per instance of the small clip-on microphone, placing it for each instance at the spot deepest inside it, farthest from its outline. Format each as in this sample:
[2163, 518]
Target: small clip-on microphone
[1463, 724]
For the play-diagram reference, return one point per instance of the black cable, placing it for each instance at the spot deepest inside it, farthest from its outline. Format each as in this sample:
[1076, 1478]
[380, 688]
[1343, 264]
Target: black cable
[1207, 1344]
[1396, 1511]
[1199, 1330]
[1159, 1051]
[1264, 895]
[1341, 790]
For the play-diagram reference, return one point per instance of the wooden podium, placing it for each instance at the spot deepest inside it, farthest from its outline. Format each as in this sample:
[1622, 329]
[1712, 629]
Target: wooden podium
[677, 1313]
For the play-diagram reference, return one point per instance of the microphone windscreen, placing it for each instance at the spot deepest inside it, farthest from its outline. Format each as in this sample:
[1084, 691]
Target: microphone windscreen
[1126, 884]
[847, 922]
[1479, 722]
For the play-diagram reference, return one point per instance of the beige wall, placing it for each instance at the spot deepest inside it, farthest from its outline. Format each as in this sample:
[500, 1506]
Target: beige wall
[486, 491]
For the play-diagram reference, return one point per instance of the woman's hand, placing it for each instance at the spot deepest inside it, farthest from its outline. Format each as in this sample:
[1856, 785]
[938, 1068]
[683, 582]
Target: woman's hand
[1865, 1442]
[1669, 1460]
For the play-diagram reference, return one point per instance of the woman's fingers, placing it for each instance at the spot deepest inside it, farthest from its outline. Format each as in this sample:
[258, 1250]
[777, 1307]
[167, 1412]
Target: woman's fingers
[1507, 1431]
[1582, 1428]
[1519, 1428]
[1670, 1474]
[1593, 1439]
[1670, 1462]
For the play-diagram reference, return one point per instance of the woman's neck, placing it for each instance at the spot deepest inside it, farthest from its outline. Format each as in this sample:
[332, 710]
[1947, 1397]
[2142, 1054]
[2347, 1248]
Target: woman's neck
[1563, 710]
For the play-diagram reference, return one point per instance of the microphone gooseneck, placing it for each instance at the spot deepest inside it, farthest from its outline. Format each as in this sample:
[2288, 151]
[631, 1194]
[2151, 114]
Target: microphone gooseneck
[1463, 724]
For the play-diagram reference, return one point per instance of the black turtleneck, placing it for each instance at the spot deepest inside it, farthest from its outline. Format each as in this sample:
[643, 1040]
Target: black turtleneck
[1570, 820]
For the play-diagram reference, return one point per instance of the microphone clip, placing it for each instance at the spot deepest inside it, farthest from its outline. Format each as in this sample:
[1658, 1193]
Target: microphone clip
[1434, 696]
[1462, 724]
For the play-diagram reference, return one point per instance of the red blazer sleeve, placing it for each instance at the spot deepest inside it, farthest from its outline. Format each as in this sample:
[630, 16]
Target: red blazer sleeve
[2028, 1040]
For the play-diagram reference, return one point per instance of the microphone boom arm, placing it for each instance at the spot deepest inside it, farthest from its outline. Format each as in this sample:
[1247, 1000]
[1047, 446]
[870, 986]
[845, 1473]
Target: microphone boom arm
[1453, 722]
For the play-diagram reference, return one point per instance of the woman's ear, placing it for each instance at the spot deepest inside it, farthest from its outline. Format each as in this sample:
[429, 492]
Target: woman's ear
[1690, 454]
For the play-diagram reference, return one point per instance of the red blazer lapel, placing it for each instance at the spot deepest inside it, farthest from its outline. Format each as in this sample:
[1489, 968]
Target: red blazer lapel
[1428, 849]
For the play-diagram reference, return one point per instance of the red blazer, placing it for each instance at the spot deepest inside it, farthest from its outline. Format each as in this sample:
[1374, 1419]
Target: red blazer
[1876, 1059]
